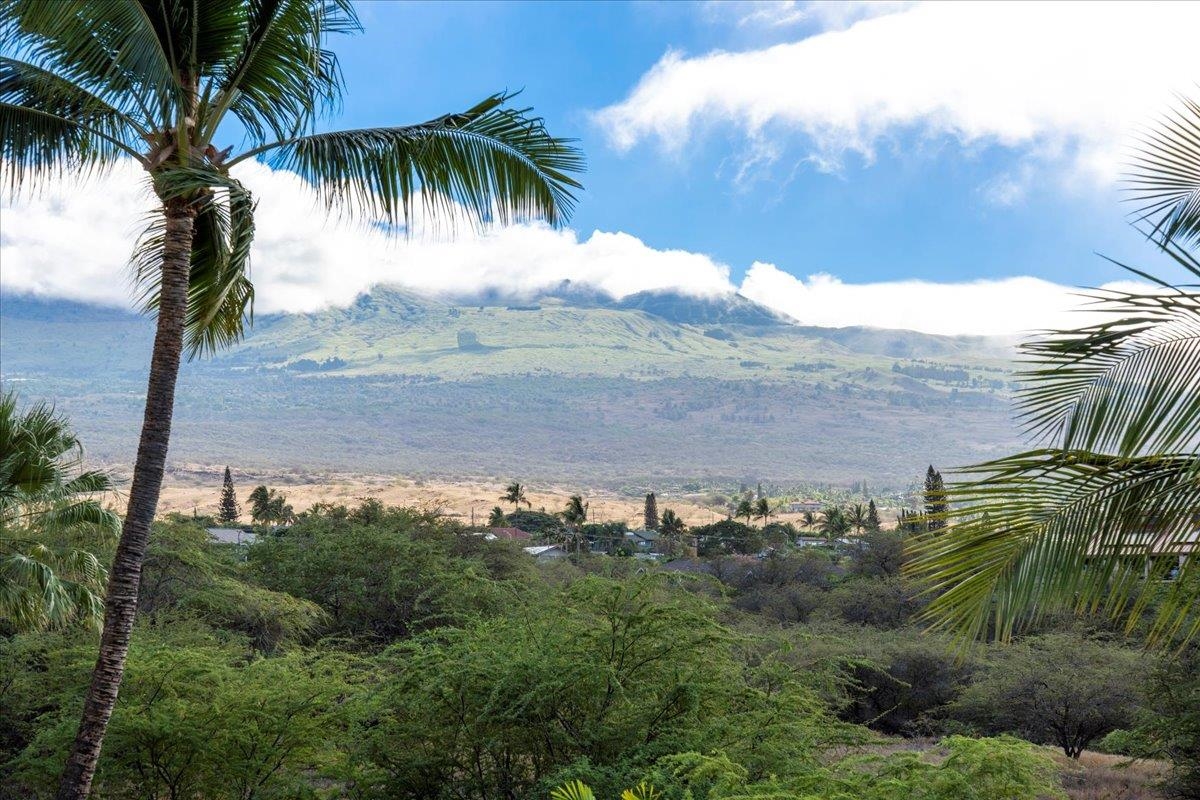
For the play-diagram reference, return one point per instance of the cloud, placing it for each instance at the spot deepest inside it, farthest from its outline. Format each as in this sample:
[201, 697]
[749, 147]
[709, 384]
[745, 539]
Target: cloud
[72, 242]
[1068, 81]
[824, 14]
[1003, 307]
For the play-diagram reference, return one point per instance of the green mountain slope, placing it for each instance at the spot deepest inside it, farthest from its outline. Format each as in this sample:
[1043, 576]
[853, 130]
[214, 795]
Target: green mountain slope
[550, 389]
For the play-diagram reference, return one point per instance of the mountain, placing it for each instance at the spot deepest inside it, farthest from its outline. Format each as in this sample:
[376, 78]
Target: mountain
[569, 385]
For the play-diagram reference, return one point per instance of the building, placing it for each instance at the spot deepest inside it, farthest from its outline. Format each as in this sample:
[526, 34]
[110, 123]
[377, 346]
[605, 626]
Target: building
[508, 534]
[643, 541]
[1152, 548]
[544, 553]
[800, 506]
[231, 536]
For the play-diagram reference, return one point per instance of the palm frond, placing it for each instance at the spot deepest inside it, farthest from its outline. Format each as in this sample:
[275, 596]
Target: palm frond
[1165, 176]
[220, 294]
[1127, 386]
[110, 48]
[1051, 529]
[495, 162]
[281, 77]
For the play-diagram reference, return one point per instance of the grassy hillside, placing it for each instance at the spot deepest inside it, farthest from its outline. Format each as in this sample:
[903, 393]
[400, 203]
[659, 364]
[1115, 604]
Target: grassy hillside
[554, 390]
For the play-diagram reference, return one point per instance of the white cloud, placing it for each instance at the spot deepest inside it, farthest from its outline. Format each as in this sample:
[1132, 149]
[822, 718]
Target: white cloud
[1002, 307]
[1068, 81]
[73, 241]
[824, 14]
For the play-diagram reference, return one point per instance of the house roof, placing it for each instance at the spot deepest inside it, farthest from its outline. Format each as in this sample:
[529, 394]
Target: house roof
[541, 549]
[230, 535]
[509, 533]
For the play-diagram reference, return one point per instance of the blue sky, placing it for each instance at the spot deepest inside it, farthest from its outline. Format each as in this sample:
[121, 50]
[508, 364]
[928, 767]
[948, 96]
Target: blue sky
[947, 167]
[919, 210]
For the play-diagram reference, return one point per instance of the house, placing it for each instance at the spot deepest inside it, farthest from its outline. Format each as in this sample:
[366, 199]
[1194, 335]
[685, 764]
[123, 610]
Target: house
[231, 536]
[544, 553]
[508, 534]
[643, 541]
[1152, 548]
[800, 506]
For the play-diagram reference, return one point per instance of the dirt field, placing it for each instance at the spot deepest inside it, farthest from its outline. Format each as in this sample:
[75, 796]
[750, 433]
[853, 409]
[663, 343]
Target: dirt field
[198, 488]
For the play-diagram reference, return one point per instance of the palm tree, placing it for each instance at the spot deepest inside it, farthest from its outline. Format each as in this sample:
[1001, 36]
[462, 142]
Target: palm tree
[86, 84]
[745, 508]
[810, 520]
[834, 523]
[858, 517]
[577, 510]
[48, 505]
[672, 528]
[763, 510]
[1102, 505]
[515, 493]
[496, 518]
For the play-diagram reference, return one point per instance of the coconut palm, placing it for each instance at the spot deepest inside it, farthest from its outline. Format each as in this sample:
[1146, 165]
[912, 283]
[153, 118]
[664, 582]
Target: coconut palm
[671, 527]
[88, 84]
[1105, 503]
[745, 508]
[515, 493]
[763, 510]
[48, 507]
[576, 511]
[810, 519]
[496, 517]
[858, 516]
[834, 524]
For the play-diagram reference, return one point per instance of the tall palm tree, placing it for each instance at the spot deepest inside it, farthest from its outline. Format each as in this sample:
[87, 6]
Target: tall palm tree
[49, 508]
[85, 84]
[810, 519]
[763, 510]
[858, 517]
[515, 493]
[1105, 504]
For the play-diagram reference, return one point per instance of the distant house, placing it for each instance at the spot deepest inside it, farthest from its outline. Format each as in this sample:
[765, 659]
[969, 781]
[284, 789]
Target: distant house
[231, 536]
[1156, 547]
[800, 506]
[643, 541]
[546, 552]
[509, 534]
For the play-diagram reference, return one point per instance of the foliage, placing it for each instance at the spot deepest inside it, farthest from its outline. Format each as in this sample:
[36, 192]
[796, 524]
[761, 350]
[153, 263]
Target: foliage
[515, 494]
[268, 506]
[1099, 511]
[877, 553]
[1059, 688]
[650, 513]
[727, 536]
[51, 517]
[228, 510]
[936, 500]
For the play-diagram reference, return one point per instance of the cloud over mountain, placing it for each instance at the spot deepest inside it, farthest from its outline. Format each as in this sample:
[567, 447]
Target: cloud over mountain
[72, 241]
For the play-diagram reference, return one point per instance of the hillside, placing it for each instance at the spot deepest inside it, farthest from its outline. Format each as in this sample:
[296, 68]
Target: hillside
[560, 387]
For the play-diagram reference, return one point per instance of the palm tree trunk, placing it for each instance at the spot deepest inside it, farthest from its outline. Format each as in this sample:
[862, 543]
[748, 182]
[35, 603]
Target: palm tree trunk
[120, 603]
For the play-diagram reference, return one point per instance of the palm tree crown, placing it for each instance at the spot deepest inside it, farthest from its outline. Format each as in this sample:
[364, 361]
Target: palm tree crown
[86, 83]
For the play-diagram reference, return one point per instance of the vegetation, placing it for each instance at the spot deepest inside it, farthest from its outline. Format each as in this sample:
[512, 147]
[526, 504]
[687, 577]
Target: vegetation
[228, 510]
[51, 521]
[1100, 516]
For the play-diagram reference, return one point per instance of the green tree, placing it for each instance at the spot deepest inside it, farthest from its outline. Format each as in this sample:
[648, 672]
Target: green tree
[859, 517]
[936, 505]
[228, 511]
[672, 529]
[576, 511]
[745, 508]
[810, 520]
[496, 518]
[763, 510]
[1093, 517]
[650, 513]
[515, 493]
[49, 508]
[873, 522]
[1060, 689]
[86, 84]
[834, 523]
